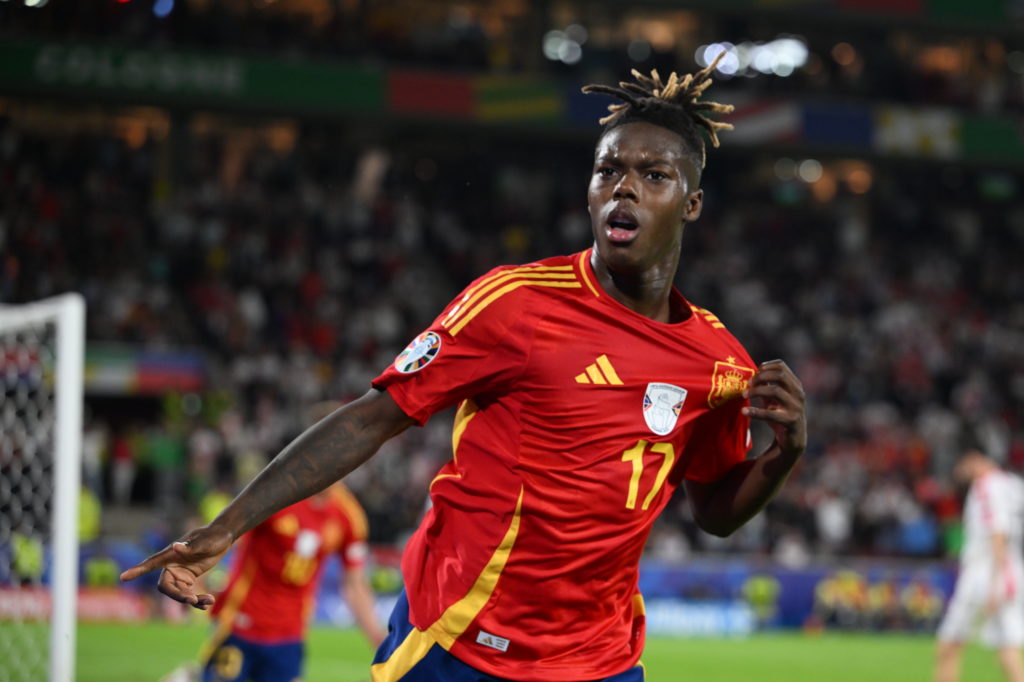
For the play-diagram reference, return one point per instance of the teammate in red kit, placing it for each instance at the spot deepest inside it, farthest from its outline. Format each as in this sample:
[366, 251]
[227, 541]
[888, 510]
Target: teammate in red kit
[262, 614]
[589, 389]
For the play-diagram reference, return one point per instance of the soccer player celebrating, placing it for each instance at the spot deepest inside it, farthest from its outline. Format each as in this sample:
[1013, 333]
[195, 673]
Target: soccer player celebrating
[989, 593]
[262, 614]
[588, 389]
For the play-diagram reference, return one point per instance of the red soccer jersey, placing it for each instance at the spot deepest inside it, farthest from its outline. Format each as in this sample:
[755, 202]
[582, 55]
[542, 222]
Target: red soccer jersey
[273, 578]
[578, 418]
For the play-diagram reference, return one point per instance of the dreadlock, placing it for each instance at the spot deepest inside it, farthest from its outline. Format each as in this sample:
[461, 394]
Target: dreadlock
[672, 104]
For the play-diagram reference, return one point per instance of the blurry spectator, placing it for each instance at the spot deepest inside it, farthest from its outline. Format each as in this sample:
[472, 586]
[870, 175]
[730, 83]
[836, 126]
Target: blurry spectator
[100, 569]
[27, 561]
[762, 593]
[166, 456]
[94, 449]
[883, 604]
[90, 516]
[123, 466]
[791, 551]
[922, 602]
[834, 518]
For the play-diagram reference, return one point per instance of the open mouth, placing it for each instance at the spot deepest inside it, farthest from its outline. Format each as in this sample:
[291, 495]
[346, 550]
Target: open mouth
[622, 227]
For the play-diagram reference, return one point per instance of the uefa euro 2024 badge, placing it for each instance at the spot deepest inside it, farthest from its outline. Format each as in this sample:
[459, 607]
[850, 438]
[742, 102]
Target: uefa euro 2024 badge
[418, 354]
[662, 405]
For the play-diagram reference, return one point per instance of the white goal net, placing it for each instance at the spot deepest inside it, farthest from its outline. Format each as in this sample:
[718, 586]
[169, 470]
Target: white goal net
[41, 362]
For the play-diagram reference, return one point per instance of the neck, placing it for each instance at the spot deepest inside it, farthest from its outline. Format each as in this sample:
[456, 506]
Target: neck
[645, 292]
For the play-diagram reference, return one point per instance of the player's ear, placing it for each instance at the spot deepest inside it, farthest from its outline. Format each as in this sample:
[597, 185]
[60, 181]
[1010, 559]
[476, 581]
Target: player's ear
[694, 205]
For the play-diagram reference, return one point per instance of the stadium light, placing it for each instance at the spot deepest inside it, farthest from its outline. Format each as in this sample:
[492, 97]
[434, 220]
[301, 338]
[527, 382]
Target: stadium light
[577, 33]
[570, 52]
[810, 171]
[780, 57]
[565, 46]
[553, 43]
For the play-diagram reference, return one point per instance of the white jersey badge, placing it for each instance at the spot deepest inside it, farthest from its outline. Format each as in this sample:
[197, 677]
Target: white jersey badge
[662, 405]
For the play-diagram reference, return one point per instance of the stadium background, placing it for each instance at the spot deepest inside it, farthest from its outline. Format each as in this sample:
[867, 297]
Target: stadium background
[262, 201]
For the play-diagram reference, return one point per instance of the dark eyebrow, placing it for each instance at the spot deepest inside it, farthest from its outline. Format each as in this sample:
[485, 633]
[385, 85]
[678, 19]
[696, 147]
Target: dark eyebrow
[657, 162]
[649, 163]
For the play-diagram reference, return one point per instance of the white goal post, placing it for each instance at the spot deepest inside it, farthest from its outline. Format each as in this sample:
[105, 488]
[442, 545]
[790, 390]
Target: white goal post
[54, 369]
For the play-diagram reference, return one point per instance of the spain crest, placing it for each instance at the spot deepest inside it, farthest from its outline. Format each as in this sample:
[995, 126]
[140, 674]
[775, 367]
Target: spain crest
[419, 353]
[662, 405]
[728, 381]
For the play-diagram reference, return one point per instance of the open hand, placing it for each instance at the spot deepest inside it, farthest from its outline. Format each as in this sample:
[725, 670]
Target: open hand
[183, 562]
[782, 404]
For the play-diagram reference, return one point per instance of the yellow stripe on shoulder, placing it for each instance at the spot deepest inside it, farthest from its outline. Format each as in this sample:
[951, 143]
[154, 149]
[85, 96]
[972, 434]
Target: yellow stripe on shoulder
[489, 279]
[710, 317]
[470, 314]
[583, 272]
[469, 299]
[353, 510]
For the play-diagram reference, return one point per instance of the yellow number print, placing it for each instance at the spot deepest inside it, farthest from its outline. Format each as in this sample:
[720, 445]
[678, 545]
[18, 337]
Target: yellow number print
[298, 570]
[227, 661]
[635, 456]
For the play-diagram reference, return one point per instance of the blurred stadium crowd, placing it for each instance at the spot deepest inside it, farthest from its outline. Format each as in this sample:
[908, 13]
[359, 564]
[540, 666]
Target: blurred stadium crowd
[301, 263]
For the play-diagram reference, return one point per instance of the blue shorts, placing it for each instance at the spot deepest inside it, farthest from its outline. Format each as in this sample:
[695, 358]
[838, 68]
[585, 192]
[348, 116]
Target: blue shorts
[437, 665]
[239, 660]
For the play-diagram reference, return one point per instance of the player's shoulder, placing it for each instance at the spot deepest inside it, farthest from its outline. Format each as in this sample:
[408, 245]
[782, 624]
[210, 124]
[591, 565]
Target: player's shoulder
[717, 337]
[508, 291]
[1012, 481]
[557, 272]
[344, 503]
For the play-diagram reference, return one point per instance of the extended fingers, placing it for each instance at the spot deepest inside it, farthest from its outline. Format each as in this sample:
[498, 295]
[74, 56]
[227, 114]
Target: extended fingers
[150, 563]
[179, 583]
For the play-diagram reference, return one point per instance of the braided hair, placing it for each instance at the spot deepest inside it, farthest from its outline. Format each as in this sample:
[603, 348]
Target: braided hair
[672, 104]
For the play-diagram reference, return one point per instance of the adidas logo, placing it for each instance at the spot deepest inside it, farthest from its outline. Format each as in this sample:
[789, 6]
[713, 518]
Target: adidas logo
[493, 641]
[600, 372]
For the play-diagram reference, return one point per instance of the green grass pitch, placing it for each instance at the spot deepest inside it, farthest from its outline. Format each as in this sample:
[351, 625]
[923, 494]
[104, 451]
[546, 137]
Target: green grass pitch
[143, 653]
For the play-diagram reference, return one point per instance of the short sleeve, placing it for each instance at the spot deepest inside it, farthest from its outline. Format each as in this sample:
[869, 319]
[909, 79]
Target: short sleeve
[354, 549]
[720, 440]
[472, 348]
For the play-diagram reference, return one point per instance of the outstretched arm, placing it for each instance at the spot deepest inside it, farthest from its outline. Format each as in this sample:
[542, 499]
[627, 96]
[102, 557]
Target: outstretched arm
[360, 600]
[723, 506]
[323, 454]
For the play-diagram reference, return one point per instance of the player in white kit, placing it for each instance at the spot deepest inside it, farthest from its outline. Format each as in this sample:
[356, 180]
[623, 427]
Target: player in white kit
[989, 597]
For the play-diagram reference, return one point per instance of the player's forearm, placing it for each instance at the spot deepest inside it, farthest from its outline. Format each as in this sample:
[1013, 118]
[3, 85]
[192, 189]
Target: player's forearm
[321, 455]
[724, 507]
[360, 600]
